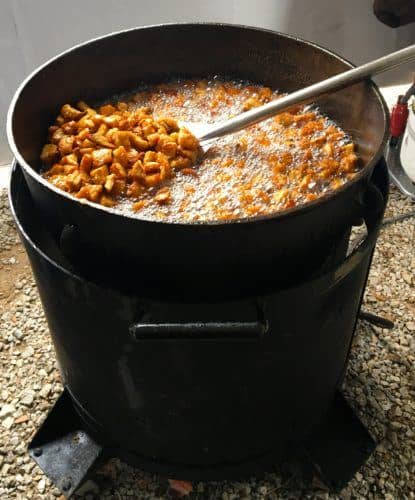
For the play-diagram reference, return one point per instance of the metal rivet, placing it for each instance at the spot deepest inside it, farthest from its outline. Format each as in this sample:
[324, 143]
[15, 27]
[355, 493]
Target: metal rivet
[66, 484]
[37, 452]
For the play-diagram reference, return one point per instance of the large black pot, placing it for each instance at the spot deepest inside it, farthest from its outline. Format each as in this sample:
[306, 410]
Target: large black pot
[228, 258]
[200, 390]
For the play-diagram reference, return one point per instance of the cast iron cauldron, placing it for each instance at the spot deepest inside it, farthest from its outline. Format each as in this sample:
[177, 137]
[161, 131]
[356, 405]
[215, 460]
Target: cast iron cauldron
[231, 258]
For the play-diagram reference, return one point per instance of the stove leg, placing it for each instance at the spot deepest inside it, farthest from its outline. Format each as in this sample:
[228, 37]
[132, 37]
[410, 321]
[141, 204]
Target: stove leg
[67, 454]
[63, 449]
[340, 446]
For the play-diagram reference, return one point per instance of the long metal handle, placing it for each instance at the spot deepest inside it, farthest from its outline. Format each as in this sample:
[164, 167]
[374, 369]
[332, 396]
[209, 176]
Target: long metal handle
[309, 94]
[230, 331]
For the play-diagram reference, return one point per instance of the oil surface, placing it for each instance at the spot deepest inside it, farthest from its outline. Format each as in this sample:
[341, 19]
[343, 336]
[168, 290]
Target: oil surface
[276, 164]
[133, 154]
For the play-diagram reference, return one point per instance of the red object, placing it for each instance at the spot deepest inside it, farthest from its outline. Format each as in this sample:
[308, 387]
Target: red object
[181, 488]
[399, 117]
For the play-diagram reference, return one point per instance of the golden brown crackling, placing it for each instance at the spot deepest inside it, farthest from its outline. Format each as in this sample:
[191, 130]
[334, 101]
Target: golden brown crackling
[114, 144]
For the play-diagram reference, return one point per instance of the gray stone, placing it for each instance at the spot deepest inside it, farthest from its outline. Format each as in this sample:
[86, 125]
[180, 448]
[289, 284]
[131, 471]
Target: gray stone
[18, 334]
[45, 390]
[27, 397]
[7, 410]
[8, 422]
[41, 485]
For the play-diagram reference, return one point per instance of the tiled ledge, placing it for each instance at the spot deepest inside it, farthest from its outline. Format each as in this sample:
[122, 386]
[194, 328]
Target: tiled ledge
[4, 176]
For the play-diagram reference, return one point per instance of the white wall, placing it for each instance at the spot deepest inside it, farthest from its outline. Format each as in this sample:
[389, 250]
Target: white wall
[31, 31]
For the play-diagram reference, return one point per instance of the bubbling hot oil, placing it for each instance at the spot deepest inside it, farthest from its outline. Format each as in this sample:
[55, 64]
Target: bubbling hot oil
[280, 163]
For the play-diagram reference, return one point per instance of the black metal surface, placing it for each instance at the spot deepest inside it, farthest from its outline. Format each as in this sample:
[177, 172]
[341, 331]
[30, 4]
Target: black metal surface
[233, 258]
[230, 331]
[191, 409]
[340, 445]
[335, 450]
[376, 320]
[63, 449]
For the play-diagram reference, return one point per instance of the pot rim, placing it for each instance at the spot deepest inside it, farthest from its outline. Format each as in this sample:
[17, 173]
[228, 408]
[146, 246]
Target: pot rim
[338, 273]
[209, 223]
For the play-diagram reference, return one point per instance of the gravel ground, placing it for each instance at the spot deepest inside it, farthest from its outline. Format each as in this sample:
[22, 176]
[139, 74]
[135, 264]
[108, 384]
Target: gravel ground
[380, 384]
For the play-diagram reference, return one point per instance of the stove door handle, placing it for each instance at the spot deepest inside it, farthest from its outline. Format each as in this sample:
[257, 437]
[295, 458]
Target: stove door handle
[199, 331]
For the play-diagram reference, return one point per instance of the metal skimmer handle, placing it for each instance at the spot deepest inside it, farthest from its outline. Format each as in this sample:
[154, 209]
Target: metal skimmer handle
[309, 94]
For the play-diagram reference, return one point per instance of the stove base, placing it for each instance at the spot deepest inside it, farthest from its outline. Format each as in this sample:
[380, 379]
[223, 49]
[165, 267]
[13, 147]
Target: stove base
[340, 446]
[63, 449]
[67, 453]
